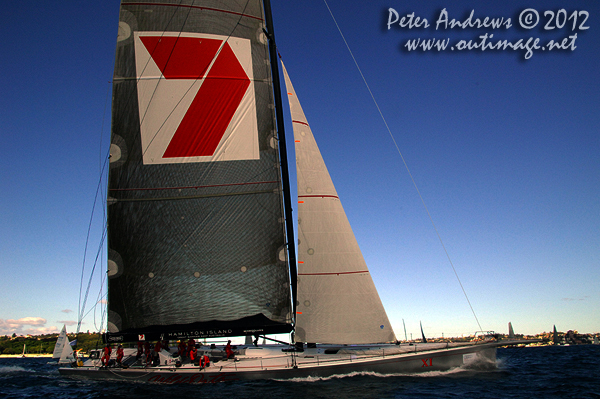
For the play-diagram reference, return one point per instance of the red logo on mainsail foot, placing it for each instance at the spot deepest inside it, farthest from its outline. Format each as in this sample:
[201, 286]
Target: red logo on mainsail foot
[190, 90]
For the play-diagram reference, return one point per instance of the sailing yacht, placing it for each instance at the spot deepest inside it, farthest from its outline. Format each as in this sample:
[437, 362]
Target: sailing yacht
[200, 227]
[61, 341]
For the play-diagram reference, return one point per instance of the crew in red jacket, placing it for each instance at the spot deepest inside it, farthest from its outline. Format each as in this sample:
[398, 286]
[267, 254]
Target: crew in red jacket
[106, 356]
[193, 354]
[120, 354]
[191, 344]
[181, 349]
[204, 361]
[228, 350]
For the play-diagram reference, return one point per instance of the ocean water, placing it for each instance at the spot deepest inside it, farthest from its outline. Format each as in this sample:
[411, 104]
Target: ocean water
[542, 372]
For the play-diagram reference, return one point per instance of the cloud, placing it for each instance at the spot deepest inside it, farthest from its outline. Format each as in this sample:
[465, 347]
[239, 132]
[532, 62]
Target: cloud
[27, 321]
[10, 326]
[584, 298]
[67, 322]
[67, 311]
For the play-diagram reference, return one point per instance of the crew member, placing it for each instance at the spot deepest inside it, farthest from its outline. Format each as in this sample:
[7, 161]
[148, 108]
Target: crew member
[148, 353]
[156, 353]
[228, 350]
[191, 344]
[181, 349]
[193, 354]
[204, 361]
[106, 357]
[120, 354]
[140, 350]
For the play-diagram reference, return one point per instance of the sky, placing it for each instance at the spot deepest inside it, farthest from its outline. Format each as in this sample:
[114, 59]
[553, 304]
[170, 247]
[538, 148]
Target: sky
[504, 150]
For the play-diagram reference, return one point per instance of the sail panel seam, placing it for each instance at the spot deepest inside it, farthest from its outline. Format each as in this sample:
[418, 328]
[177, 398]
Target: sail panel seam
[192, 196]
[318, 196]
[189, 187]
[332, 273]
[194, 7]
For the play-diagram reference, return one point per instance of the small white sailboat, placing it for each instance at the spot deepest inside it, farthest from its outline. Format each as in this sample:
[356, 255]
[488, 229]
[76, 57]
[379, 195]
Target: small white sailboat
[61, 341]
[67, 355]
[511, 332]
[200, 230]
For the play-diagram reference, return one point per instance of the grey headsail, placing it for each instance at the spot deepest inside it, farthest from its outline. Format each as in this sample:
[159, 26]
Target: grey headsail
[337, 299]
[196, 231]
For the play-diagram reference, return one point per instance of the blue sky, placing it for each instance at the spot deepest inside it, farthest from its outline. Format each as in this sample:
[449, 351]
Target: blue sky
[505, 152]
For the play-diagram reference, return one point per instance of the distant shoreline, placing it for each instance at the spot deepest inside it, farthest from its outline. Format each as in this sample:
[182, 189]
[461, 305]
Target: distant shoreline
[32, 355]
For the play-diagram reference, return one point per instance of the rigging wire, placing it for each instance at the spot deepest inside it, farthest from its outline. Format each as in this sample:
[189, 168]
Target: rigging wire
[405, 164]
[82, 306]
[98, 254]
[104, 195]
[99, 193]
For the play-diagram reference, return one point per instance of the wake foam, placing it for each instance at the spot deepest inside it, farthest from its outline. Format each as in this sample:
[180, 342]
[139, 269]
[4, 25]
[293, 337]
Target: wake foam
[478, 364]
[14, 369]
[427, 374]
[481, 363]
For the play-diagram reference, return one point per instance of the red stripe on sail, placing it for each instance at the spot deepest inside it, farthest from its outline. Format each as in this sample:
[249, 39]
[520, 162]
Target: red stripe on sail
[318, 196]
[181, 57]
[329, 274]
[211, 111]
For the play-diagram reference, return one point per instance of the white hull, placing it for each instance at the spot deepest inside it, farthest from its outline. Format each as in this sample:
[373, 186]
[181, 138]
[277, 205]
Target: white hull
[272, 363]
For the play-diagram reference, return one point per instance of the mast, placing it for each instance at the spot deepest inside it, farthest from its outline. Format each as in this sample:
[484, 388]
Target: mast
[287, 201]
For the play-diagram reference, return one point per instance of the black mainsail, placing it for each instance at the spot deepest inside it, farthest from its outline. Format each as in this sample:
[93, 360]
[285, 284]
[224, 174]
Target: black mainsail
[196, 227]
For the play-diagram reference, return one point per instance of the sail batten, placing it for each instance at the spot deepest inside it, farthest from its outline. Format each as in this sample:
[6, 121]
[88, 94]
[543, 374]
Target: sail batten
[337, 300]
[196, 231]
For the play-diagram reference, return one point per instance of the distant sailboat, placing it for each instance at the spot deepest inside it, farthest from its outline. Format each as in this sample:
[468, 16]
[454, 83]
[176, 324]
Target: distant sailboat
[422, 333]
[555, 338]
[511, 332]
[24, 349]
[200, 228]
[61, 341]
[67, 355]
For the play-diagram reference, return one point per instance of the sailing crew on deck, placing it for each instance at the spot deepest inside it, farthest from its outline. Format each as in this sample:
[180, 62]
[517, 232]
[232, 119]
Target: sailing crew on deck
[156, 353]
[120, 354]
[204, 361]
[191, 344]
[140, 351]
[193, 355]
[181, 349]
[106, 357]
[147, 352]
[228, 350]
